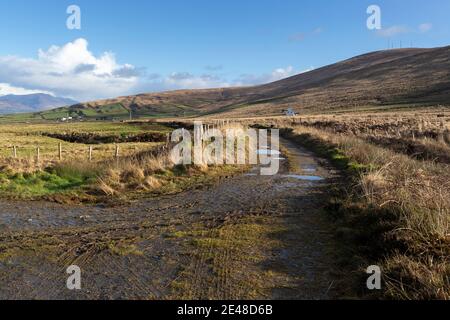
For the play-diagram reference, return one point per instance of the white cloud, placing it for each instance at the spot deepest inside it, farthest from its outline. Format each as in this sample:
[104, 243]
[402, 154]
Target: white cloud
[392, 31]
[186, 80]
[425, 27]
[6, 89]
[275, 75]
[73, 71]
[70, 71]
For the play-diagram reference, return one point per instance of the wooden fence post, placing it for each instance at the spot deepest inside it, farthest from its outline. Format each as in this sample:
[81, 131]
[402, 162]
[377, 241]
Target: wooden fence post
[15, 151]
[60, 151]
[116, 154]
[38, 154]
[90, 153]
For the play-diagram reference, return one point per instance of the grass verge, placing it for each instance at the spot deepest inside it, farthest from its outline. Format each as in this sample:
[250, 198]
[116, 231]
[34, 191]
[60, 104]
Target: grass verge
[392, 211]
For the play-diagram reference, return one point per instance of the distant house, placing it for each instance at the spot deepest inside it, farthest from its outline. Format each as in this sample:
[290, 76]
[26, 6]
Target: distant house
[290, 112]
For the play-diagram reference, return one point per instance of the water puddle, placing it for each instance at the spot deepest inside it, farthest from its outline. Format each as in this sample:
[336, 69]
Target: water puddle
[304, 178]
[268, 152]
[309, 168]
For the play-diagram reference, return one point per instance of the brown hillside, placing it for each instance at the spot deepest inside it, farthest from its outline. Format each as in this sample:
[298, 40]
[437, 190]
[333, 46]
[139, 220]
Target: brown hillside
[392, 77]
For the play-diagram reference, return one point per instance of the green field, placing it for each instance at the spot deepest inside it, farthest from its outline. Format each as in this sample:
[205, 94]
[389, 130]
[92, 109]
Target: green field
[110, 112]
[24, 175]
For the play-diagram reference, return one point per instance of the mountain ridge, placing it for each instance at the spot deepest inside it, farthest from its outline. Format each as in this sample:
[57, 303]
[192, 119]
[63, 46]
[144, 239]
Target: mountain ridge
[31, 103]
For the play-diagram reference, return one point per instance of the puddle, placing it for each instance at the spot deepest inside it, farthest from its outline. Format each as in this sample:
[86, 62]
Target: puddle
[309, 168]
[305, 178]
[268, 152]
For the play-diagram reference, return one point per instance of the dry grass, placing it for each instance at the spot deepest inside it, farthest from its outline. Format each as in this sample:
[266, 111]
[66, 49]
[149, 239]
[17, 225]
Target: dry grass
[155, 171]
[415, 253]
[134, 173]
[421, 136]
[140, 167]
[421, 189]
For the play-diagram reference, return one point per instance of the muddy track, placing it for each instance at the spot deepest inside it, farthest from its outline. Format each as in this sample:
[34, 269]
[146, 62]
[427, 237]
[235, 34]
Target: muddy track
[168, 247]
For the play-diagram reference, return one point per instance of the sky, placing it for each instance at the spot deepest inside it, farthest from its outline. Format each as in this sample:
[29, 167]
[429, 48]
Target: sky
[137, 46]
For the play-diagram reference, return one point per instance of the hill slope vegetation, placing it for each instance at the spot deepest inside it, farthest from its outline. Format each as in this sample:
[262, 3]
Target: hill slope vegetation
[391, 78]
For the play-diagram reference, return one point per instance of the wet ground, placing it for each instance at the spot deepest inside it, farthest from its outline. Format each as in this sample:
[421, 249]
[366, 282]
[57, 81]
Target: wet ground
[149, 249]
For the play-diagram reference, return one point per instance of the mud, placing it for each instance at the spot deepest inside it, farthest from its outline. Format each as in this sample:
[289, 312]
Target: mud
[129, 251]
[91, 138]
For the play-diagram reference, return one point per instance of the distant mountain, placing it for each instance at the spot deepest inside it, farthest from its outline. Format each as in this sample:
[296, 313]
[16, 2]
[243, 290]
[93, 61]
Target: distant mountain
[31, 103]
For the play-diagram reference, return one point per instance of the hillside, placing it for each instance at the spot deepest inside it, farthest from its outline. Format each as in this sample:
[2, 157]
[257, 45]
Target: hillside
[401, 77]
[31, 103]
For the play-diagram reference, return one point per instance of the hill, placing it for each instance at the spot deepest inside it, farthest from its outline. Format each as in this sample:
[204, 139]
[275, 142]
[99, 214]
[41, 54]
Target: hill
[386, 79]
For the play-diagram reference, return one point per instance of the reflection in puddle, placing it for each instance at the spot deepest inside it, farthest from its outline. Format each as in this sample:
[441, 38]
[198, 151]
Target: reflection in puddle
[293, 176]
[268, 152]
[305, 178]
[309, 168]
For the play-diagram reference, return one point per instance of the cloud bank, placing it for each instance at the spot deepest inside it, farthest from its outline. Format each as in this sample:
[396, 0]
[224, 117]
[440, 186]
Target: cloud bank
[75, 72]
[70, 71]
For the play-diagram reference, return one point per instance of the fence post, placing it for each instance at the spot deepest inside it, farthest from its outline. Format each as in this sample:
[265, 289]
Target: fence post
[116, 154]
[90, 153]
[38, 153]
[60, 151]
[15, 151]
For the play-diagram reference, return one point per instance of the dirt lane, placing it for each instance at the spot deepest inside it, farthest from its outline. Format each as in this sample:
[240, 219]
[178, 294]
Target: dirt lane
[246, 237]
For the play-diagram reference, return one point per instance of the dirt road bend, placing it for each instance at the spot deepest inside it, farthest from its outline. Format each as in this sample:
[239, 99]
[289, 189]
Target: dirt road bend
[248, 237]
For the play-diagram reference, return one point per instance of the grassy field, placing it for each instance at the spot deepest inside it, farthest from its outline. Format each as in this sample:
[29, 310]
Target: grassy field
[27, 137]
[141, 167]
[104, 112]
[26, 176]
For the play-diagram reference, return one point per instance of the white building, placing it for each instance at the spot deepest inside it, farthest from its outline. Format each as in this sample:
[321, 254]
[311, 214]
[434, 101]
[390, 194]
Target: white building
[290, 112]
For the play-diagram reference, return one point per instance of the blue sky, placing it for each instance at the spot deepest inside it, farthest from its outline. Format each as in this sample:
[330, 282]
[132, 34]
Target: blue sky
[163, 45]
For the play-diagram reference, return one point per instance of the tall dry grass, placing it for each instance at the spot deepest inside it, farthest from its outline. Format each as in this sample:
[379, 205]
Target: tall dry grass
[149, 171]
[417, 193]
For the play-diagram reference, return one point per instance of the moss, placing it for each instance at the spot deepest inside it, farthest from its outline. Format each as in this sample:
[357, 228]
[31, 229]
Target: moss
[238, 245]
[124, 249]
[41, 183]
